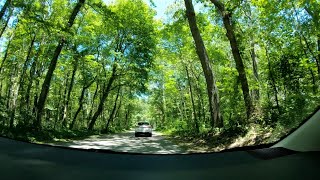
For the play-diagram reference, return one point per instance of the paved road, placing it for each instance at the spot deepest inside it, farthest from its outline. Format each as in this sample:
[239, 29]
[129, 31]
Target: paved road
[126, 142]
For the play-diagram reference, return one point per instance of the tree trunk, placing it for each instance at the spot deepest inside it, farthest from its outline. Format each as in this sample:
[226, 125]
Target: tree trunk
[6, 24]
[46, 85]
[25, 65]
[127, 117]
[214, 104]
[92, 104]
[226, 17]
[196, 123]
[66, 106]
[163, 103]
[105, 94]
[256, 93]
[52, 66]
[32, 77]
[111, 116]
[5, 55]
[273, 84]
[314, 87]
[80, 104]
[10, 93]
[203, 108]
[35, 98]
[200, 103]
[315, 57]
[315, 14]
[16, 91]
[78, 110]
[64, 97]
[9, 89]
[201, 113]
[182, 104]
[318, 64]
[60, 102]
[117, 114]
[20, 82]
[4, 8]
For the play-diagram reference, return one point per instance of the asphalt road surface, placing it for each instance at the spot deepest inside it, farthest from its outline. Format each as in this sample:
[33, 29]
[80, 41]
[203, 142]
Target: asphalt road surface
[127, 142]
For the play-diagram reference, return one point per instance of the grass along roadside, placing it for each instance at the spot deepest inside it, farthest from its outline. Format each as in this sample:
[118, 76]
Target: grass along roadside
[225, 139]
[46, 136]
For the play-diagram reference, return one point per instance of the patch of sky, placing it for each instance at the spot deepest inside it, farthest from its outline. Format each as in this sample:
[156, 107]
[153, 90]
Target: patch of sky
[160, 6]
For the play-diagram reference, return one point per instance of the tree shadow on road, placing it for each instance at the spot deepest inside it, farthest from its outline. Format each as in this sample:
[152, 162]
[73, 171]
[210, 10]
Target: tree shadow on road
[127, 142]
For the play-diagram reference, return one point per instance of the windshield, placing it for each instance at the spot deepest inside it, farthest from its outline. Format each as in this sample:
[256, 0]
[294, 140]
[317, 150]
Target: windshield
[205, 75]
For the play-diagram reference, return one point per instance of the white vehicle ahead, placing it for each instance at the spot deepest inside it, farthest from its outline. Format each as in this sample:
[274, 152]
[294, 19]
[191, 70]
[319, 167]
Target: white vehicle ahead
[143, 128]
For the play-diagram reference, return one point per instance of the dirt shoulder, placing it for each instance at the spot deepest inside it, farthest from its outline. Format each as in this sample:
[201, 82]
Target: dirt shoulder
[221, 141]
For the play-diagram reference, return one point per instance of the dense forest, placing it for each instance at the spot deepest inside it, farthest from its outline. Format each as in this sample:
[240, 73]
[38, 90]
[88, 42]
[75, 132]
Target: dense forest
[208, 67]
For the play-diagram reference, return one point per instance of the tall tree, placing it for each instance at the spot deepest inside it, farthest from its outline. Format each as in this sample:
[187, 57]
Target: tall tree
[105, 94]
[21, 81]
[195, 117]
[52, 66]
[314, 11]
[6, 23]
[113, 111]
[66, 105]
[4, 8]
[84, 88]
[227, 21]
[214, 105]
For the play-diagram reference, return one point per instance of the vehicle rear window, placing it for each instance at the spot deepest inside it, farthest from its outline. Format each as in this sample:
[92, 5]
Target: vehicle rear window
[143, 123]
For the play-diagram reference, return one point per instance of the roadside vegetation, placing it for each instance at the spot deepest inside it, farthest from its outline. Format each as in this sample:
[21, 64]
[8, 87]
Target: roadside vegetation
[213, 74]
